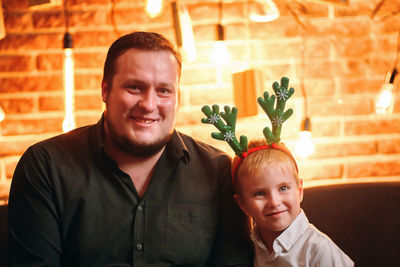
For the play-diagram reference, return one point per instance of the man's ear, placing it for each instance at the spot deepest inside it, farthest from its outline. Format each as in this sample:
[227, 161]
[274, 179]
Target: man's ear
[104, 91]
[239, 202]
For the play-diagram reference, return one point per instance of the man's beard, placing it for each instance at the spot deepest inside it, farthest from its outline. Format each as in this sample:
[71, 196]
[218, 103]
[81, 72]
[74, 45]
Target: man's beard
[133, 149]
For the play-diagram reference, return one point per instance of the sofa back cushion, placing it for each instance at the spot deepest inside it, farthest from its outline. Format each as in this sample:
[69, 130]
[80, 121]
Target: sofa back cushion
[363, 219]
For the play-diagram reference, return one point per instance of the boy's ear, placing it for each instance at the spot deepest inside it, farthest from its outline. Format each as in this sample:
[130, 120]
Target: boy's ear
[301, 191]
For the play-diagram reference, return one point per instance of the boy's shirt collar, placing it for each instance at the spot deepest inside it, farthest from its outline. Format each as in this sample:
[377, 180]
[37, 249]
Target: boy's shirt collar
[286, 240]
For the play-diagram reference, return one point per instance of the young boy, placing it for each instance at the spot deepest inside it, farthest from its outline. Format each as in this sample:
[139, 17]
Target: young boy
[269, 190]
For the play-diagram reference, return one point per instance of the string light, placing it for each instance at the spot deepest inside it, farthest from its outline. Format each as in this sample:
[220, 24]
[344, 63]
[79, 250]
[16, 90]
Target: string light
[153, 8]
[68, 78]
[263, 11]
[219, 54]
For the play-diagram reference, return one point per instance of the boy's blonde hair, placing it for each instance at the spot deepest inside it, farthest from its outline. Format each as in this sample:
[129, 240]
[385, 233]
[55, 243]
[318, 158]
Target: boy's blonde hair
[266, 157]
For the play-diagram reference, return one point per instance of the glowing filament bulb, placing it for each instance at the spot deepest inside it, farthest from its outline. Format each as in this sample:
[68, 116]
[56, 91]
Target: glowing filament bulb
[305, 146]
[69, 90]
[384, 103]
[2, 114]
[219, 54]
[153, 8]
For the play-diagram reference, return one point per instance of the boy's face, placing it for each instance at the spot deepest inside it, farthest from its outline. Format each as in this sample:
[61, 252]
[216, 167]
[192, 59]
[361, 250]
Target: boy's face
[271, 197]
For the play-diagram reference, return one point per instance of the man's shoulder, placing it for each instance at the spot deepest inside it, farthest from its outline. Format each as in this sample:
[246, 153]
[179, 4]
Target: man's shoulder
[74, 139]
[196, 145]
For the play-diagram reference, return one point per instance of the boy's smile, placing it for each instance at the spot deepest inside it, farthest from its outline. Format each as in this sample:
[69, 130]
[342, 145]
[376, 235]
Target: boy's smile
[271, 197]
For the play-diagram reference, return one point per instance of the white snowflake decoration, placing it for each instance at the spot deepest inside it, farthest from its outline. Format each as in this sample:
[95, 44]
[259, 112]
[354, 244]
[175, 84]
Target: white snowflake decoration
[229, 136]
[214, 118]
[277, 121]
[282, 94]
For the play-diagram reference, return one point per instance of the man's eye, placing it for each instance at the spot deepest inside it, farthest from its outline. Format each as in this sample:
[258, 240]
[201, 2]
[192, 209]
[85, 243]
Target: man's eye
[259, 194]
[133, 88]
[164, 91]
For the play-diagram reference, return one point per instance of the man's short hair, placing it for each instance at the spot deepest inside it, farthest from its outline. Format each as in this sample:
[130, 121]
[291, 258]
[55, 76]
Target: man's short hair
[139, 40]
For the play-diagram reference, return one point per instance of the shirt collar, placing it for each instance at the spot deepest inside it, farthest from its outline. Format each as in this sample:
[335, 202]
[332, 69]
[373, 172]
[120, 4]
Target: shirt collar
[176, 146]
[287, 238]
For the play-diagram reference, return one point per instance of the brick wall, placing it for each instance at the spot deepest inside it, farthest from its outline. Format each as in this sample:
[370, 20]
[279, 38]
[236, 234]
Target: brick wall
[346, 56]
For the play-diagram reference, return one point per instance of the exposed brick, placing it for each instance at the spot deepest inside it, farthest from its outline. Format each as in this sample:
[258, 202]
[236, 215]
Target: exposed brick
[350, 67]
[197, 12]
[89, 102]
[352, 47]
[12, 63]
[389, 146]
[344, 149]
[124, 16]
[87, 120]
[49, 61]
[377, 126]
[90, 60]
[350, 106]
[88, 81]
[10, 167]
[51, 103]
[359, 26]
[83, 3]
[326, 129]
[31, 83]
[17, 105]
[14, 147]
[27, 42]
[373, 168]
[235, 32]
[88, 18]
[357, 8]
[320, 171]
[350, 86]
[49, 19]
[209, 95]
[15, 5]
[94, 39]
[317, 87]
[17, 22]
[198, 76]
[31, 126]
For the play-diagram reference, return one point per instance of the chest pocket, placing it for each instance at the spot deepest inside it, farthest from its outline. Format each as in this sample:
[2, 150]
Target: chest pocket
[191, 231]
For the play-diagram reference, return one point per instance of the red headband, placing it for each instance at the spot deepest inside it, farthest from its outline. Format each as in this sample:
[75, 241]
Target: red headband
[254, 149]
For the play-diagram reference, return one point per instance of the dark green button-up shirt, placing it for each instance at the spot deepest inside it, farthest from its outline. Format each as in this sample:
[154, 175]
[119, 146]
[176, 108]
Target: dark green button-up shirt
[70, 205]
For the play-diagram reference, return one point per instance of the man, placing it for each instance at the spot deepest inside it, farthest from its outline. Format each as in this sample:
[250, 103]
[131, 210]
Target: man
[130, 190]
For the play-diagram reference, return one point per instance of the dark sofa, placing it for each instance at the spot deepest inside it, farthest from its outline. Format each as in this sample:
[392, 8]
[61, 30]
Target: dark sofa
[363, 219]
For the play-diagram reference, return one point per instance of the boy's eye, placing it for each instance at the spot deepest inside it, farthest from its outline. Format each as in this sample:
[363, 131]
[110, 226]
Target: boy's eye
[283, 188]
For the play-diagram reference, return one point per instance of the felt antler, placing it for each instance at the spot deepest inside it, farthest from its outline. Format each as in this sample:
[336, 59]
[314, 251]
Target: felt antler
[276, 115]
[227, 131]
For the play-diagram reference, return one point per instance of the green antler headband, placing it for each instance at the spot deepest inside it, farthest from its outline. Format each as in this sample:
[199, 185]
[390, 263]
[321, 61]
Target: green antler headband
[276, 114]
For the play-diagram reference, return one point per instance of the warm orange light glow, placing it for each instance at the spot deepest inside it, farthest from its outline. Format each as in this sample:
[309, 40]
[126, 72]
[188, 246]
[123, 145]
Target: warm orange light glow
[2, 114]
[263, 10]
[69, 90]
[219, 54]
[153, 8]
[304, 146]
[384, 103]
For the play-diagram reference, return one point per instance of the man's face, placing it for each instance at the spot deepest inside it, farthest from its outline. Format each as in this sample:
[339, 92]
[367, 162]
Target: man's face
[271, 197]
[142, 101]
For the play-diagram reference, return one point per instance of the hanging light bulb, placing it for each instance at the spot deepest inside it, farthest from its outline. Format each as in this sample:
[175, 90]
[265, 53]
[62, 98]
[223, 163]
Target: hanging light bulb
[304, 146]
[2, 114]
[184, 31]
[219, 53]
[384, 102]
[153, 8]
[68, 78]
[263, 10]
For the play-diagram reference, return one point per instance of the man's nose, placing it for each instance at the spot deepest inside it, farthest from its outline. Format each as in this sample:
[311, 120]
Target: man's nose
[148, 101]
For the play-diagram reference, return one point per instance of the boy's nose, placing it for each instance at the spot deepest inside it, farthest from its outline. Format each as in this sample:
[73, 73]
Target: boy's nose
[274, 200]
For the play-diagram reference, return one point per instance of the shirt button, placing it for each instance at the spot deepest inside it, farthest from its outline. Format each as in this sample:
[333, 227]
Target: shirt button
[139, 246]
[140, 208]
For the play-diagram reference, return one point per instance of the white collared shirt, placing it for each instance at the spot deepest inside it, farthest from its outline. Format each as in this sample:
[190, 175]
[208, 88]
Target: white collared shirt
[301, 244]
